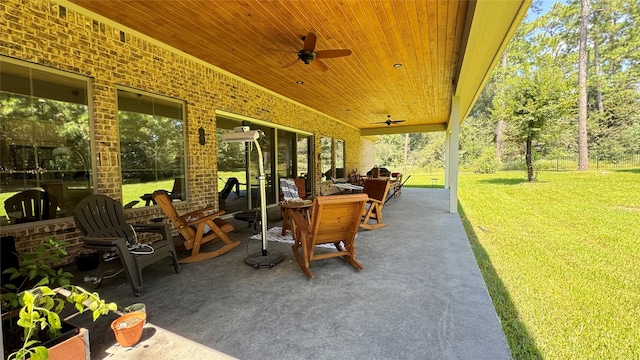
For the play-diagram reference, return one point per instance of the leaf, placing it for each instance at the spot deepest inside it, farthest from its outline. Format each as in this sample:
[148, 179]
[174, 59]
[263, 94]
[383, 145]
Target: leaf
[112, 306]
[27, 297]
[25, 323]
[48, 302]
[30, 343]
[54, 320]
[96, 314]
[60, 305]
[14, 276]
[47, 291]
[43, 281]
[40, 353]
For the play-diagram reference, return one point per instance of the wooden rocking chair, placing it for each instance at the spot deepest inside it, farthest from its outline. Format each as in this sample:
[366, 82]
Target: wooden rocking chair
[197, 228]
[334, 219]
[377, 190]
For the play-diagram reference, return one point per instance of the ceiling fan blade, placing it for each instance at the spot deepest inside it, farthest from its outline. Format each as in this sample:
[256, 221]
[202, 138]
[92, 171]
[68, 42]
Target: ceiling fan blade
[319, 65]
[397, 121]
[291, 63]
[379, 122]
[309, 42]
[325, 54]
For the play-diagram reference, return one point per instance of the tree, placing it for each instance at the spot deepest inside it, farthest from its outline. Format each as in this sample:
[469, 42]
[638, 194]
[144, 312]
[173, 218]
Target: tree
[583, 150]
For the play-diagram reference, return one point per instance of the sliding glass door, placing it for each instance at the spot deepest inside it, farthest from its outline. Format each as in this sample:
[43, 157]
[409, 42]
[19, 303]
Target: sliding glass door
[285, 154]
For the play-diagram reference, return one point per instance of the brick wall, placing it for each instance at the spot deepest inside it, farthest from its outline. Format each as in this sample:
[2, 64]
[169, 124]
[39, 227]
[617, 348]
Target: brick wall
[42, 32]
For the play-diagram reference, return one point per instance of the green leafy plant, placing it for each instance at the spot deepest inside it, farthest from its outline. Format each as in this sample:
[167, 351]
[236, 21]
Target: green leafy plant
[40, 311]
[40, 306]
[36, 265]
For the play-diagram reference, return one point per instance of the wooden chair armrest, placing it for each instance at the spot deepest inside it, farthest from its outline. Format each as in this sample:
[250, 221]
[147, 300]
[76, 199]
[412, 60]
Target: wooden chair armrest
[300, 222]
[200, 212]
[205, 218]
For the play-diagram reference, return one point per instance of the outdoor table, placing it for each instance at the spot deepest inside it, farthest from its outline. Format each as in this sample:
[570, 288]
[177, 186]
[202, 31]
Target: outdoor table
[352, 188]
[387, 178]
[288, 207]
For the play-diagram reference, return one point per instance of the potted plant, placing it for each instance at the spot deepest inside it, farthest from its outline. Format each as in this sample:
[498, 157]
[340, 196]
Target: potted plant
[35, 311]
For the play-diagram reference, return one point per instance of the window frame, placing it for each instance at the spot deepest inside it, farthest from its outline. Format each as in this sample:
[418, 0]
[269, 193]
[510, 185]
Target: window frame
[185, 147]
[343, 155]
[63, 79]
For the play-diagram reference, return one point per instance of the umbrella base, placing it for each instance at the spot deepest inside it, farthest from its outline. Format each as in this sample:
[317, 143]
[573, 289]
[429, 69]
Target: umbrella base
[264, 259]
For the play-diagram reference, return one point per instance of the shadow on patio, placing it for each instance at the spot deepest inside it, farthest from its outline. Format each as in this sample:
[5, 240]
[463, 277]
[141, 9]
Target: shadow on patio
[420, 296]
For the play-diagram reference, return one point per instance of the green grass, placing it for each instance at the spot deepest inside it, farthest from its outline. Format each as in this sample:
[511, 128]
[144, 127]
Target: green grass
[420, 179]
[131, 192]
[561, 259]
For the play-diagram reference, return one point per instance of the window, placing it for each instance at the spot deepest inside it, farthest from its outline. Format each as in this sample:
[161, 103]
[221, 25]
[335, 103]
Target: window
[326, 157]
[152, 147]
[286, 154]
[45, 142]
[340, 159]
[303, 157]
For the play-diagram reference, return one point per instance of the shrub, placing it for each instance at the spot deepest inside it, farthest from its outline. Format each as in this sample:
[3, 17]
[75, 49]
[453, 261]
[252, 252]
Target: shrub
[487, 162]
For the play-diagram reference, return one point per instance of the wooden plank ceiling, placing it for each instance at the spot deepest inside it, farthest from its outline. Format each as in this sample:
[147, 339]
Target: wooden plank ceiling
[255, 39]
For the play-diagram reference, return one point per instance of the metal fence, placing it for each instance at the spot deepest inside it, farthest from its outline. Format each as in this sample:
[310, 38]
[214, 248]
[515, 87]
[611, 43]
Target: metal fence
[566, 163]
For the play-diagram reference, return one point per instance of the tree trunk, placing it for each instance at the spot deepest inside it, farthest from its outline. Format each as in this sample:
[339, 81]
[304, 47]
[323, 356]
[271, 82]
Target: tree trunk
[499, 135]
[583, 153]
[529, 159]
[501, 124]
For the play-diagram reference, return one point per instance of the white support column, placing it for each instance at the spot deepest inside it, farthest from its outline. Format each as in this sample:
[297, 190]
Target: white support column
[447, 156]
[454, 156]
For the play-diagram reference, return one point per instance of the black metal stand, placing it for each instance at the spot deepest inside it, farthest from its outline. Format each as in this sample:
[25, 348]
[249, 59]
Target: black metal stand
[264, 259]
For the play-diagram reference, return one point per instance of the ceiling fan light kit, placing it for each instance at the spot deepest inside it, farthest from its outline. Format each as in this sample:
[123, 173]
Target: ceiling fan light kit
[306, 56]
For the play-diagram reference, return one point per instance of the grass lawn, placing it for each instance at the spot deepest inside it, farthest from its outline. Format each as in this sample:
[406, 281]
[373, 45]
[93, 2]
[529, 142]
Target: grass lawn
[561, 259]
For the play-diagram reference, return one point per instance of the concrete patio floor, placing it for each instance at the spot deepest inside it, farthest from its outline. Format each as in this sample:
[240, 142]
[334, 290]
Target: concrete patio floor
[420, 296]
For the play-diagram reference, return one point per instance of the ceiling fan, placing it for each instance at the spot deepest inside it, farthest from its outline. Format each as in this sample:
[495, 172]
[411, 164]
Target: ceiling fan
[389, 121]
[308, 53]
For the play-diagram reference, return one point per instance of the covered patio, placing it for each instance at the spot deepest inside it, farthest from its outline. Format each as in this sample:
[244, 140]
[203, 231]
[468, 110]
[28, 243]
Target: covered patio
[420, 296]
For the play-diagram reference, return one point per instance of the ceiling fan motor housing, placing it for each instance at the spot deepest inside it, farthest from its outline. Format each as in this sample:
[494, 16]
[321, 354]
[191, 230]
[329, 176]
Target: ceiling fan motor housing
[307, 56]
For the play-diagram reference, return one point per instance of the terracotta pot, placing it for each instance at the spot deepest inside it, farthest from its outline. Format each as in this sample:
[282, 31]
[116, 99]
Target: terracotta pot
[128, 328]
